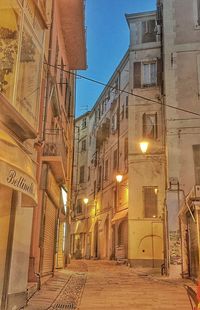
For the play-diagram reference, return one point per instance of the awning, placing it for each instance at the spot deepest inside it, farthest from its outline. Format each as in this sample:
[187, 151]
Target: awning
[17, 169]
[120, 215]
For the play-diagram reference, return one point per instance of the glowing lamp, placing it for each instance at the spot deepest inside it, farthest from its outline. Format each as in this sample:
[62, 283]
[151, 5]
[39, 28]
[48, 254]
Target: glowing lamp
[85, 200]
[119, 178]
[144, 146]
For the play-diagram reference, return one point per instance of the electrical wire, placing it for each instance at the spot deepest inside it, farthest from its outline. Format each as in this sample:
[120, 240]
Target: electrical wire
[120, 90]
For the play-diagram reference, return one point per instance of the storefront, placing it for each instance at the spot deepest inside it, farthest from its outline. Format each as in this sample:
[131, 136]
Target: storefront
[18, 196]
[51, 205]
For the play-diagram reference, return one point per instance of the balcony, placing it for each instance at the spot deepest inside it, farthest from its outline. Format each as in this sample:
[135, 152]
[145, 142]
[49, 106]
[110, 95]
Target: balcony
[55, 154]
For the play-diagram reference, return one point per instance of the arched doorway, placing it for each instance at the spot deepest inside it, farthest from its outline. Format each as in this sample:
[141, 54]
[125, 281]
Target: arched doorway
[123, 236]
[96, 251]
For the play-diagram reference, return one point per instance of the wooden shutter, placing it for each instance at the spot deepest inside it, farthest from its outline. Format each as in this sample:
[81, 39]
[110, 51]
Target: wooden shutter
[137, 75]
[159, 72]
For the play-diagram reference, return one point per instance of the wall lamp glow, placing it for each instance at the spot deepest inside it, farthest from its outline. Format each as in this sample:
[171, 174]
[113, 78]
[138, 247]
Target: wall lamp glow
[119, 178]
[144, 146]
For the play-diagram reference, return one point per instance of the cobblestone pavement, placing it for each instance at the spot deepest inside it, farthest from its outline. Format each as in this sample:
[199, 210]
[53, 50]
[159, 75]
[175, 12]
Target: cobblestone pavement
[96, 285]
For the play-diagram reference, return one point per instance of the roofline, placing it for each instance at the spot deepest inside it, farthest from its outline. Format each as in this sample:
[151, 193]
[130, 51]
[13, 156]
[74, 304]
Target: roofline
[139, 15]
[111, 79]
[83, 115]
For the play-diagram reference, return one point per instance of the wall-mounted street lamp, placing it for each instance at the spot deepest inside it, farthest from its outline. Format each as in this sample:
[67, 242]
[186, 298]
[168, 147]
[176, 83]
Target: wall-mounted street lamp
[144, 146]
[85, 200]
[119, 178]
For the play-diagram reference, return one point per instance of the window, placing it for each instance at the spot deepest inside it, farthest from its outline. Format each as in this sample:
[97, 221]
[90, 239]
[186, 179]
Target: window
[150, 126]
[84, 123]
[106, 170]
[115, 160]
[83, 145]
[125, 149]
[82, 177]
[89, 173]
[196, 156]
[122, 112]
[150, 201]
[149, 74]
[79, 206]
[149, 31]
[127, 107]
[114, 123]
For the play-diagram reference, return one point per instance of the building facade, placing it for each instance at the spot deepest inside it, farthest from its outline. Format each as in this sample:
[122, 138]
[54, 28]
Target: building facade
[65, 52]
[22, 27]
[151, 218]
[181, 52]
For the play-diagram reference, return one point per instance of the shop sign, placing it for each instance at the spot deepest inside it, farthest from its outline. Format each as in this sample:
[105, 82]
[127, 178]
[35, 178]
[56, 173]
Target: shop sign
[17, 180]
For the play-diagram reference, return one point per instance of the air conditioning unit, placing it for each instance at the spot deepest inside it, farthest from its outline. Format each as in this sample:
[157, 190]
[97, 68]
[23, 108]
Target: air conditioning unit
[197, 191]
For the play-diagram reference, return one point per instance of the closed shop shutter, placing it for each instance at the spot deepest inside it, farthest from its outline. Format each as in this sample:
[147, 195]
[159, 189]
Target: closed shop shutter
[49, 238]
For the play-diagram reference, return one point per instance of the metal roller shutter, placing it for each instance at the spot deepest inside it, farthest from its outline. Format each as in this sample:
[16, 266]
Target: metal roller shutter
[49, 238]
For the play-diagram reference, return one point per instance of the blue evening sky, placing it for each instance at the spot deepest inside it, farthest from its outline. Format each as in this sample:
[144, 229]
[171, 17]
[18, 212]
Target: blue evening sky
[107, 41]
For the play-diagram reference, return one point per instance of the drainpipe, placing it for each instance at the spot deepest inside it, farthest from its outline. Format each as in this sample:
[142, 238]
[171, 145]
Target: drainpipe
[165, 266]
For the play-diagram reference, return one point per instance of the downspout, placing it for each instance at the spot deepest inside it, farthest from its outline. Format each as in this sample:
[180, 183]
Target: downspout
[165, 266]
[41, 243]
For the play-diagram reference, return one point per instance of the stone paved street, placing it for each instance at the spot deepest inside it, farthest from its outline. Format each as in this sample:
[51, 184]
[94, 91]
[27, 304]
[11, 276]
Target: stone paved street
[96, 285]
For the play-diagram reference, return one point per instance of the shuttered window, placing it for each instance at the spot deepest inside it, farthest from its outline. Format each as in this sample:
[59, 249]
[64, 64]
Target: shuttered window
[196, 155]
[149, 74]
[149, 31]
[79, 206]
[82, 177]
[137, 75]
[126, 107]
[150, 201]
[150, 130]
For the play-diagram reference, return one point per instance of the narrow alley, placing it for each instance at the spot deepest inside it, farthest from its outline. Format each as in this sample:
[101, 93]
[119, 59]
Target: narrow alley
[95, 285]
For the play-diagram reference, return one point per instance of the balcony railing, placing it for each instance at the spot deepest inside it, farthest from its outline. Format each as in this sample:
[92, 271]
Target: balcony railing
[55, 152]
